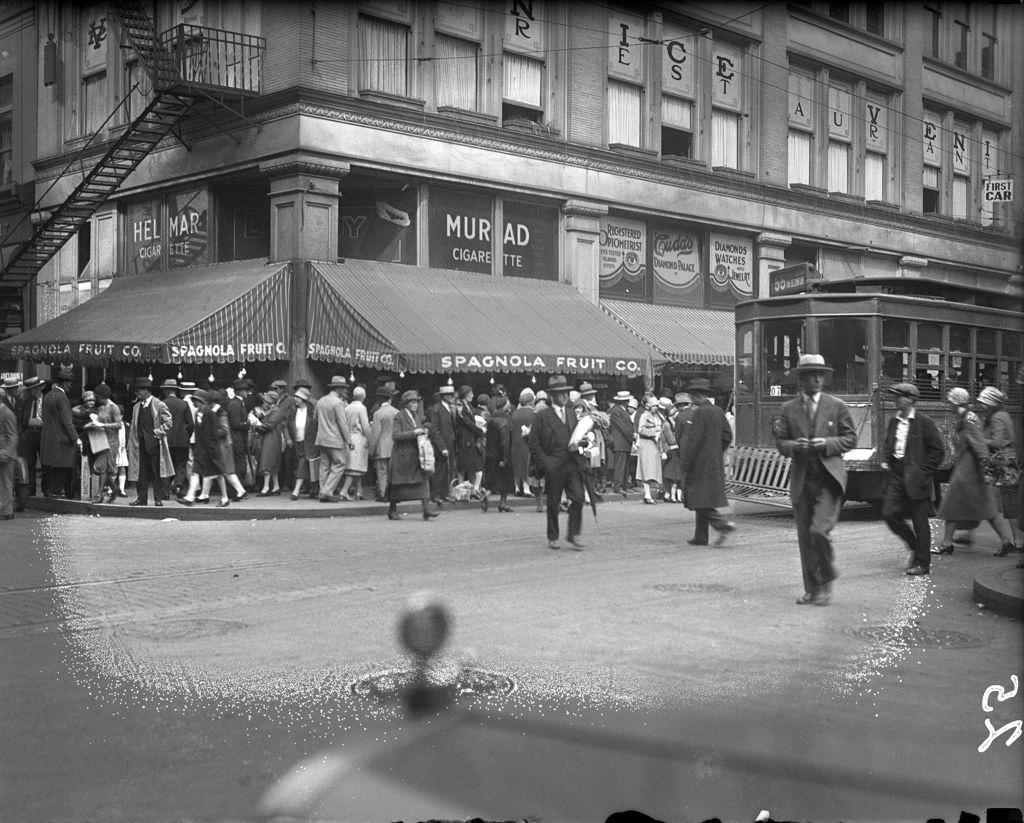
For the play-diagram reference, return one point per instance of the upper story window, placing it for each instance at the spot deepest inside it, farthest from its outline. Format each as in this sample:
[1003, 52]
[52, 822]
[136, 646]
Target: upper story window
[523, 63]
[457, 56]
[678, 92]
[727, 105]
[839, 136]
[93, 108]
[384, 56]
[869, 16]
[965, 35]
[626, 78]
[6, 130]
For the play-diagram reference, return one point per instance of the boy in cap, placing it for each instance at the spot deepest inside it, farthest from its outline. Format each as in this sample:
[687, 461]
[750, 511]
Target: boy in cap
[912, 453]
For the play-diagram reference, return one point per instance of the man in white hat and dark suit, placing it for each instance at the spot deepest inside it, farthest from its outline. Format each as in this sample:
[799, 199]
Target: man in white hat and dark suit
[815, 429]
[622, 434]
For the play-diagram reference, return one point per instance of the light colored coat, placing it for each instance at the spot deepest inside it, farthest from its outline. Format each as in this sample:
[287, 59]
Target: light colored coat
[332, 427]
[161, 426]
[381, 430]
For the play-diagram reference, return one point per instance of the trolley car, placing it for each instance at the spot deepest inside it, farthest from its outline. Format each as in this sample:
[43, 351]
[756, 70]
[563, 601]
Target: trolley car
[872, 340]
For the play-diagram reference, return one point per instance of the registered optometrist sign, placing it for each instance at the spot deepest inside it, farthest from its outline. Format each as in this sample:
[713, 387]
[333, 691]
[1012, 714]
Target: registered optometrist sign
[998, 189]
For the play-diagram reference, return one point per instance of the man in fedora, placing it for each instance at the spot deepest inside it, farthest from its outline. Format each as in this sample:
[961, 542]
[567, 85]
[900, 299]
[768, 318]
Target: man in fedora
[58, 440]
[149, 456]
[549, 449]
[702, 455]
[179, 437]
[815, 429]
[332, 438]
[8, 450]
[913, 453]
[29, 411]
[443, 418]
[238, 409]
[622, 435]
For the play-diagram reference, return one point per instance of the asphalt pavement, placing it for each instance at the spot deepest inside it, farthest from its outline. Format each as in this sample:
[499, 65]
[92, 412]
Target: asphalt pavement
[177, 669]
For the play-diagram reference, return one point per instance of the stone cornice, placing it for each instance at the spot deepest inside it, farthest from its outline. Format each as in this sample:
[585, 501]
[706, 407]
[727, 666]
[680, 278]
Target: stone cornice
[303, 162]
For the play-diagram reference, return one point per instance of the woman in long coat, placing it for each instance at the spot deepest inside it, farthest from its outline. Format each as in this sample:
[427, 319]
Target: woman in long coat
[648, 449]
[406, 478]
[998, 431]
[301, 428]
[468, 435]
[269, 446]
[359, 453]
[968, 496]
[521, 422]
[498, 475]
[213, 457]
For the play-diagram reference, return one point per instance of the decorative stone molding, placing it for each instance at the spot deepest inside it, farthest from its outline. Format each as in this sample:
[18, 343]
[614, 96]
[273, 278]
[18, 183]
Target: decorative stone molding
[768, 238]
[584, 208]
[302, 162]
[910, 262]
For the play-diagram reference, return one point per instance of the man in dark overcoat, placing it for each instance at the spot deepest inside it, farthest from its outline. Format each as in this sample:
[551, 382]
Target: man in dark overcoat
[442, 417]
[8, 450]
[180, 435]
[815, 429]
[58, 439]
[29, 410]
[549, 450]
[238, 424]
[704, 439]
[621, 430]
[913, 453]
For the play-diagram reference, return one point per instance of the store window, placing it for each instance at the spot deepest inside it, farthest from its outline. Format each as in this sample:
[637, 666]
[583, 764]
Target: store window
[378, 222]
[383, 56]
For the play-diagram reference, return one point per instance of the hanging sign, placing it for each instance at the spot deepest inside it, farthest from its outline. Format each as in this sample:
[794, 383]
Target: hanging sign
[998, 190]
[524, 32]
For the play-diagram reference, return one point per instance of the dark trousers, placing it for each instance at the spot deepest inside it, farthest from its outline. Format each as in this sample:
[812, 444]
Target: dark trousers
[564, 479]
[149, 472]
[28, 447]
[704, 519]
[816, 511]
[620, 461]
[441, 479]
[57, 480]
[179, 459]
[897, 507]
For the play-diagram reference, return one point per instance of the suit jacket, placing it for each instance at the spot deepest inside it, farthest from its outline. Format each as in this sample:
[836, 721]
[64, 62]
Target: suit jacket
[705, 439]
[832, 422]
[238, 423]
[332, 426]
[549, 440]
[442, 427]
[161, 426]
[621, 428]
[23, 408]
[381, 432]
[182, 424]
[923, 455]
[58, 438]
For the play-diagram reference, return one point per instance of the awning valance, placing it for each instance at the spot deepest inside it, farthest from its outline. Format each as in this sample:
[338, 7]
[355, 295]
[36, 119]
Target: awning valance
[701, 337]
[413, 319]
[224, 313]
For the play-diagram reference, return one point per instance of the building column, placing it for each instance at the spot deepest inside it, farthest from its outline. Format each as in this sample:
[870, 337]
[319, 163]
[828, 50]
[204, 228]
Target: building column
[771, 256]
[304, 195]
[583, 246]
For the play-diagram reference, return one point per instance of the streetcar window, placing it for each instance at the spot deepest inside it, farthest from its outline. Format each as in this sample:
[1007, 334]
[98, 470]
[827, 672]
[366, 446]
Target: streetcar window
[987, 341]
[1012, 377]
[843, 342]
[896, 333]
[958, 372]
[986, 366]
[783, 342]
[745, 361]
[929, 369]
[929, 336]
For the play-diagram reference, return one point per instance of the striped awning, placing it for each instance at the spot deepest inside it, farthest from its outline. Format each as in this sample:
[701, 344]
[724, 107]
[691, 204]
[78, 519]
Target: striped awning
[234, 312]
[414, 319]
[702, 337]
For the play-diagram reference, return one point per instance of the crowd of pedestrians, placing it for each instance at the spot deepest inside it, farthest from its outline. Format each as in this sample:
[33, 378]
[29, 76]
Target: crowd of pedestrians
[558, 446]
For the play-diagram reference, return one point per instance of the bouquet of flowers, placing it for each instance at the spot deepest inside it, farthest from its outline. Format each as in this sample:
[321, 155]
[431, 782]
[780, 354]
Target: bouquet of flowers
[1000, 469]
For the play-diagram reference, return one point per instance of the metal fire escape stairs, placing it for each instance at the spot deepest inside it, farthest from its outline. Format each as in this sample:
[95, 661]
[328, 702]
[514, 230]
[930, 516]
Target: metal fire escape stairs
[171, 102]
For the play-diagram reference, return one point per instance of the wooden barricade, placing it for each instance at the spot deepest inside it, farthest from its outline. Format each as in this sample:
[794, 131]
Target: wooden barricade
[760, 473]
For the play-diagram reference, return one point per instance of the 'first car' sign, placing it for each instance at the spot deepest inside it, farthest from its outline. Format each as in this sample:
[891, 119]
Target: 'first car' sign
[996, 190]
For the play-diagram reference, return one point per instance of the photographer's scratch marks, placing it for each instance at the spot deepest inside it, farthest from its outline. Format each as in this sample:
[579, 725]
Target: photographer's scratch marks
[1001, 695]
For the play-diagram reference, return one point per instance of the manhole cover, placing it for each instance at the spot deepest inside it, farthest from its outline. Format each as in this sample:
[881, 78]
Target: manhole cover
[915, 636]
[695, 588]
[182, 629]
[390, 685]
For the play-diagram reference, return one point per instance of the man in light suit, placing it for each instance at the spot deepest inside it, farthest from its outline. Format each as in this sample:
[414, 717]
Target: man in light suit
[442, 417]
[815, 429]
[549, 449]
[382, 442]
[332, 437]
[913, 452]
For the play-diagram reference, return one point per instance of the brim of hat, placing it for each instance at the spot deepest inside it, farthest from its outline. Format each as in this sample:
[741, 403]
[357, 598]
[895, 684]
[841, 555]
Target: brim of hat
[802, 369]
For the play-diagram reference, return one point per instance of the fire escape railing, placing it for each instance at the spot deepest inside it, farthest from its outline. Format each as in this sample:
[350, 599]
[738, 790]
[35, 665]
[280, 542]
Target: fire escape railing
[214, 59]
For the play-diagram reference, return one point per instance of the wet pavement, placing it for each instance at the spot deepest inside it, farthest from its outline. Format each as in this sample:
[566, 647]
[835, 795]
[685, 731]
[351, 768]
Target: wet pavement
[638, 673]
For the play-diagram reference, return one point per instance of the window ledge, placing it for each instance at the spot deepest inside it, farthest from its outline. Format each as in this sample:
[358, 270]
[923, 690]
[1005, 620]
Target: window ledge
[684, 162]
[882, 204]
[530, 127]
[636, 151]
[392, 99]
[729, 171]
[843, 197]
[806, 189]
[468, 115]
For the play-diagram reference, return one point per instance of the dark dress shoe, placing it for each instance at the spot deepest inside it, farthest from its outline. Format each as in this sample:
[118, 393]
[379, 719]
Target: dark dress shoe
[294, 497]
[185, 501]
[224, 503]
[1006, 549]
[485, 504]
[329, 498]
[942, 549]
[554, 544]
[504, 508]
[916, 570]
[158, 502]
[576, 544]
[693, 542]
[431, 515]
[137, 502]
[241, 497]
[394, 516]
[806, 599]
[202, 500]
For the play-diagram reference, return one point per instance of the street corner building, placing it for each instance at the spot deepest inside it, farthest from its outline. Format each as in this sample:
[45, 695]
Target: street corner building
[472, 193]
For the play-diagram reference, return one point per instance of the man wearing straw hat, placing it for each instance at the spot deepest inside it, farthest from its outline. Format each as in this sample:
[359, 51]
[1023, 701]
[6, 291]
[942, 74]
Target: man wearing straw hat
[815, 429]
[622, 436]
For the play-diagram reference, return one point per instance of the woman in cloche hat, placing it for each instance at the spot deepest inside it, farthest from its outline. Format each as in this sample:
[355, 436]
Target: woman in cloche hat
[407, 479]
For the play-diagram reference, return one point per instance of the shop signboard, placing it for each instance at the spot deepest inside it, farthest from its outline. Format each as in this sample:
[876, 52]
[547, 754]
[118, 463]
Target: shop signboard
[145, 235]
[188, 234]
[793, 279]
[623, 257]
[461, 231]
[731, 274]
[530, 240]
[675, 258]
[379, 225]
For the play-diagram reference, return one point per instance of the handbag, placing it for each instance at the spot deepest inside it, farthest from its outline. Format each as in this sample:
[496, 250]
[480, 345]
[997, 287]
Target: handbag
[426, 452]
[1000, 470]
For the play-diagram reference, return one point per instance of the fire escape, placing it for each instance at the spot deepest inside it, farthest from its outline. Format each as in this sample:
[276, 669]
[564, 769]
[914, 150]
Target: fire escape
[185, 64]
